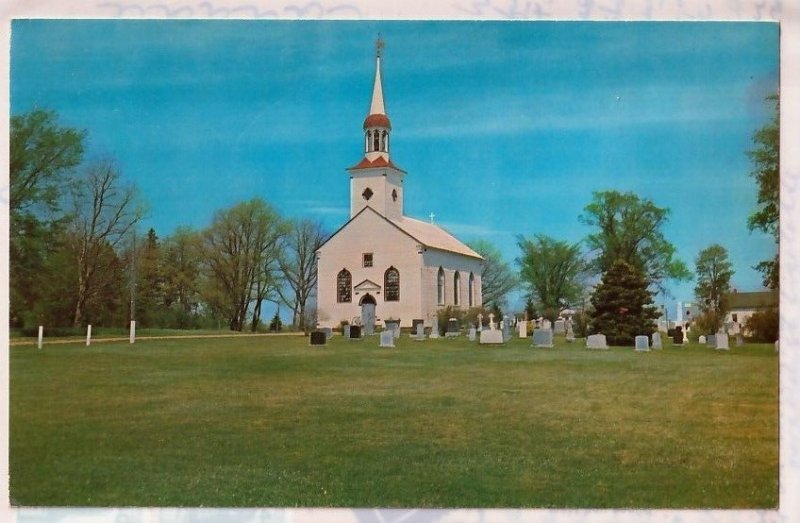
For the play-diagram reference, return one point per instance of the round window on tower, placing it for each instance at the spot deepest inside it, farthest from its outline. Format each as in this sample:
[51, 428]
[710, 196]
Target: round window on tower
[367, 194]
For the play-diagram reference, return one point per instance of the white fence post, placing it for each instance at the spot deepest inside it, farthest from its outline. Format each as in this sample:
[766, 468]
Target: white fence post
[41, 335]
[133, 331]
[88, 335]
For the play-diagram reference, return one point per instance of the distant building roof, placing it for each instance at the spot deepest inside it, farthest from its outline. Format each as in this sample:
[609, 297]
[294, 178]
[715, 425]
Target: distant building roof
[752, 300]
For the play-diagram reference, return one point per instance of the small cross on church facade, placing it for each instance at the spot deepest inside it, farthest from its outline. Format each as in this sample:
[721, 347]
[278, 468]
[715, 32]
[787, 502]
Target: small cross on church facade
[381, 264]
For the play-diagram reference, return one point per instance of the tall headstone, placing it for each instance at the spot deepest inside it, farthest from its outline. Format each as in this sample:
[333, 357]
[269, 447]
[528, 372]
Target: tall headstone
[434, 328]
[522, 326]
[480, 322]
[346, 331]
[656, 340]
[677, 336]
[559, 327]
[721, 341]
[506, 330]
[452, 328]
[596, 341]
[387, 338]
[414, 324]
[492, 326]
[543, 338]
[471, 334]
[419, 335]
[711, 340]
[739, 339]
[642, 343]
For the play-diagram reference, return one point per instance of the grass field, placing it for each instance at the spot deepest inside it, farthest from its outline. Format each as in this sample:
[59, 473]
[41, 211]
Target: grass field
[445, 423]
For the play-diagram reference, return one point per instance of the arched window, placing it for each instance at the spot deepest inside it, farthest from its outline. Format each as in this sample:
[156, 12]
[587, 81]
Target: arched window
[376, 138]
[344, 287]
[456, 288]
[391, 284]
[471, 289]
[366, 141]
[383, 141]
[440, 287]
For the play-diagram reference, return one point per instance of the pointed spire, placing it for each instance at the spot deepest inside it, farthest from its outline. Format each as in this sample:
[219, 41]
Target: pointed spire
[377, 106]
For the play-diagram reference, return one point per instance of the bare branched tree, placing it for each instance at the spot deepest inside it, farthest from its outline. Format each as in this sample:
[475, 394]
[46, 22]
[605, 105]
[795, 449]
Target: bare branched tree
[298, 263]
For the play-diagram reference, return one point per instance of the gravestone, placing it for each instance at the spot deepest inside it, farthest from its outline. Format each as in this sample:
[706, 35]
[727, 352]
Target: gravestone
[702, 340]
[739, 340]
[522, 327]
[677, 336]
[414, 324]
[369, 329]
[596, 341]
[711, 340]
[387, 338]
[452, 328]
[419, 334]
[394, 326]
[491, 337]
[642, 343]
[492, 326]
[559, 327]
[570, 333]
[657, 340]
[327, 330]
[543, 338]
[434, 328]
[346, 331]
[546, 324]
[480, 322]
[471, 334]
[506, 330]
[721, 341]
[318, 338]
[355, 332]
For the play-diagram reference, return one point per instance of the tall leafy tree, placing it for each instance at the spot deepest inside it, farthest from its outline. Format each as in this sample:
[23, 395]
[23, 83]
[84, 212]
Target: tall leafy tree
[104, 211]
[180, 262]
[622, 305]
[628, 228]
[298, 264]
[766, 164]
[42, 153]
[240, 250]
[552, 270]
[714, 272]
[497, 278]
[149, 280]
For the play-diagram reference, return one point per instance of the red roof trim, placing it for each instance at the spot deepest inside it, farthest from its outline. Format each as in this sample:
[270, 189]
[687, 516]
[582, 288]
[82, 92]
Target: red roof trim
[378, 162]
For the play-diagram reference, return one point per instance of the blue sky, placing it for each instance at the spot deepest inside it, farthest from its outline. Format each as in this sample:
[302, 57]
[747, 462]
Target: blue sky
[504, 128]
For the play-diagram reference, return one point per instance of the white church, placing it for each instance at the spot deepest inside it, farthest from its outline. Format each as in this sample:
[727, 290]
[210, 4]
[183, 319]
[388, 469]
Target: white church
[381, 264]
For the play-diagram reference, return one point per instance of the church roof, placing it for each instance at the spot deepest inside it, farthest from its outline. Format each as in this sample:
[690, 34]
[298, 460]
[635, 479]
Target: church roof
[427, 234]
[752, 300]
[377, 120]
[433, 236]
[380, 161]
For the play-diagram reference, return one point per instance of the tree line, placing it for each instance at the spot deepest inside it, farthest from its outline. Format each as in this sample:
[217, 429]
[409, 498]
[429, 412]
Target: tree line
[628, 252]
[75, 258]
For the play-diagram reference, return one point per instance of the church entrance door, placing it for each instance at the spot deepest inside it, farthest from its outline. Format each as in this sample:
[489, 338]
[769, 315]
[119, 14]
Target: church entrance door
[368, 314]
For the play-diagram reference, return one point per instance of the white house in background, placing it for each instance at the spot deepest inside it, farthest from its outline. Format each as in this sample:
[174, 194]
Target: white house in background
[742, 305]
[382, 264]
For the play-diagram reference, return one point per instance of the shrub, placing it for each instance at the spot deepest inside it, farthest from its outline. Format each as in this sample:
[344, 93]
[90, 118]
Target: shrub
[763, 325]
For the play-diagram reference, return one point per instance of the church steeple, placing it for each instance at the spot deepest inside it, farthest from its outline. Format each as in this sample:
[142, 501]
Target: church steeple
[377, 126]
[376, 181]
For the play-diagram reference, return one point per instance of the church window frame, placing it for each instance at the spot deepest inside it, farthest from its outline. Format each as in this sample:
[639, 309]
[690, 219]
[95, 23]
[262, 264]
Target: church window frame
[456, 288]
[367, 193]
[376, 140]
[391, 284]
[471, 290]
[394, 195]
[367, 259]
[440, 287]
[344, 287]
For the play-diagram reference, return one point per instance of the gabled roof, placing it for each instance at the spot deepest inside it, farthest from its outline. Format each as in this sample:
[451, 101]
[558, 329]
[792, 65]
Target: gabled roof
[380, 161]
[427, 234]
[752, 300]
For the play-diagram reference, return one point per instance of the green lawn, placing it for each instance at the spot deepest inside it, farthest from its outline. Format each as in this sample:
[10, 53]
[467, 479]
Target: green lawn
[445, 423]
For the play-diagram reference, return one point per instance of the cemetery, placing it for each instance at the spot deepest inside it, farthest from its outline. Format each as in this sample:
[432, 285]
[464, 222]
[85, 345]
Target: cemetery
[275, 421]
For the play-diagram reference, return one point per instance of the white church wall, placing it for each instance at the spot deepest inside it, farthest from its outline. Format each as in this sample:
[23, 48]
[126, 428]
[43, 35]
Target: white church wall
[450, 263]
[369, 233]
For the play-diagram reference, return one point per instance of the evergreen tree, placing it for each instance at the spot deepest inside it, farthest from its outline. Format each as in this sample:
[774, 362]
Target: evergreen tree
[622, 305]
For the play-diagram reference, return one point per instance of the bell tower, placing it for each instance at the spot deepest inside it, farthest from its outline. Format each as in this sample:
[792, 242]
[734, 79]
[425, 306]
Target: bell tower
[375, 181]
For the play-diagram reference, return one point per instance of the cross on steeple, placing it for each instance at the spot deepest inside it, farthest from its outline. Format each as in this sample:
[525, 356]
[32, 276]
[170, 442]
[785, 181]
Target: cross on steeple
[432, 216]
